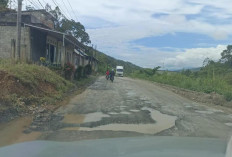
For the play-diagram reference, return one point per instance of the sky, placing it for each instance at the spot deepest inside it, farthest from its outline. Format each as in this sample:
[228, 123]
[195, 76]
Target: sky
[173, 34]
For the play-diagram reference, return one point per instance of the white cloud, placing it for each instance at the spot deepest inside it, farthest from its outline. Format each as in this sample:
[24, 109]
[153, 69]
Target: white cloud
[179, 59]
[194, 57]
[129, 20]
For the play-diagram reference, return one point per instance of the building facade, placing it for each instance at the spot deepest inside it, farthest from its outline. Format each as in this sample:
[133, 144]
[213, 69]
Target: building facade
[39, 39]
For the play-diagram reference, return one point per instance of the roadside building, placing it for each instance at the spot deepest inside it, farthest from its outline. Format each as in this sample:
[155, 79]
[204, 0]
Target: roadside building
[39, 39]
[94, 63]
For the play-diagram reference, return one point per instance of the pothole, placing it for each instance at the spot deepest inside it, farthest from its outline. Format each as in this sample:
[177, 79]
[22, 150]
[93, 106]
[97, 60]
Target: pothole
[130, 94]
[230, 116]
[134, 110]
[73, 118]
[215, 110]
[113, 113]
[163, 122]
[124, 112]
[228, 124]
[204, 112]
[116, 113]
[94, 117]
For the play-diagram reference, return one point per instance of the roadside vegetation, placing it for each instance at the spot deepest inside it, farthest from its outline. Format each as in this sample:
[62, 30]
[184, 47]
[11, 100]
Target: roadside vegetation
[27, 84]
[213, 76]
[26, 88]
[108, 62]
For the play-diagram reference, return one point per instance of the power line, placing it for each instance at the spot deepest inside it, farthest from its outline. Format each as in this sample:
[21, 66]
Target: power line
[72, 10]
[37, 4]
[34, 4]
[60, 8]
[41, 4]
[45, 3]
[66, 9]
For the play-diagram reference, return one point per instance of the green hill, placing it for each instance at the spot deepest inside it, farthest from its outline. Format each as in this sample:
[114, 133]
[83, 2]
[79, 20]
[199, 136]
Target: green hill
[110, 62]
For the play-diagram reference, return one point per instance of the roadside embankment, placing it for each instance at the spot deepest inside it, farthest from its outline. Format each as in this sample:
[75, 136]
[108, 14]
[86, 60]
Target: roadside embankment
[27, 89]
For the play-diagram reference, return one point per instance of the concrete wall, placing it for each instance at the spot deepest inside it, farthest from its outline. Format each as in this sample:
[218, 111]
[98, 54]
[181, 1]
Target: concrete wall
[8, 17]
[69, 49]
[86, 61]
[7, 33]
[39, 17]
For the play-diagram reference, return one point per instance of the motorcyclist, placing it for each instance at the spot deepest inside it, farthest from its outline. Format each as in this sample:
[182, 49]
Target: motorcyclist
[112, 73]
[107, 74]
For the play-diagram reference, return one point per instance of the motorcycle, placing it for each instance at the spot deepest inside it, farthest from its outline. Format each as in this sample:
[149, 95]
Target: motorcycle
[111, 78]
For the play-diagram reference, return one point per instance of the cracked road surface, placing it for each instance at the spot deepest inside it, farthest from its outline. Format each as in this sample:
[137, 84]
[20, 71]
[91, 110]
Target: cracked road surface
[131, 107]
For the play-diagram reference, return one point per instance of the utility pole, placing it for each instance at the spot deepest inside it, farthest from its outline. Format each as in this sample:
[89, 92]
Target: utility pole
[92, 55]
[19, 21]
[95, 54]
[10, 4]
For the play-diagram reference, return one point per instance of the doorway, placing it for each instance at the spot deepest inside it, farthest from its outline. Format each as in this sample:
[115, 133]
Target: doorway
[51, 53]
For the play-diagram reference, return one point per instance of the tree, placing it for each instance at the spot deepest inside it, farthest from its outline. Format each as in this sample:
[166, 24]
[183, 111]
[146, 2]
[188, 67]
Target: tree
[48, 8]
[74, 28]
[208, 62]
[187, 72]
[56, 13]
[155, 70]
[71, 27]
[3, 5]
[227, 55]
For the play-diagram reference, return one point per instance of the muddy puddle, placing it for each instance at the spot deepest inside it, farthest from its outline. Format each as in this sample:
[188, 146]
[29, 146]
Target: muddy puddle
[94, 117]
[12, 132]
[163, 122]
[73, 118]
[84, 118]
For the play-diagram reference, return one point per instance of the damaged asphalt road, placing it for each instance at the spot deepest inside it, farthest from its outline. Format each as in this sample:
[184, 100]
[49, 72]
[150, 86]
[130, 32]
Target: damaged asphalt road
[131, 107]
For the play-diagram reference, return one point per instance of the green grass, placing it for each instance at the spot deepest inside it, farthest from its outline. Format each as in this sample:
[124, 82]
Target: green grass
[83, 81]
[200, 83]
[30, 76]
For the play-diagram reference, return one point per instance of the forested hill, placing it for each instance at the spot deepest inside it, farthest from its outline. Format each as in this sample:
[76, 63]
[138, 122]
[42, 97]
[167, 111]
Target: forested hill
[110, 62]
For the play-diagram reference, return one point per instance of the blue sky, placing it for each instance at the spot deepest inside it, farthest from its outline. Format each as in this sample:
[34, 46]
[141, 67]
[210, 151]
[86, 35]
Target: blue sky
[180, 40]
[149, 33]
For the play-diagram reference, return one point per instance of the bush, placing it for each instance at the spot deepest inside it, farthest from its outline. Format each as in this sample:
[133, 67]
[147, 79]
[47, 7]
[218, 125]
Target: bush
[69, 70]
[197, 82]
[228, 96]
[88, 69]
[78, 73]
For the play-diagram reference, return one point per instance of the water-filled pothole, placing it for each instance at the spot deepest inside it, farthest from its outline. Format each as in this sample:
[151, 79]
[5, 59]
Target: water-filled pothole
[228, 124]
[84, 118]
[163, 122]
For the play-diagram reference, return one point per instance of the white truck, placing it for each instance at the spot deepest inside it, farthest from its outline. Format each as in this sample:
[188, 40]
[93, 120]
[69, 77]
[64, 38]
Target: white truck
[119, 71]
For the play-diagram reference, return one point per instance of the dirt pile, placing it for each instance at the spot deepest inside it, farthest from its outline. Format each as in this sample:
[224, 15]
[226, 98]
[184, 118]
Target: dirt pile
[10, 84]
[25, 89]
[11, 87]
